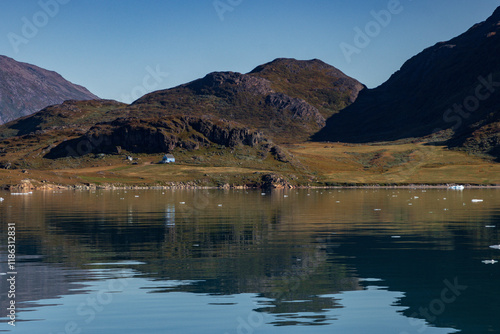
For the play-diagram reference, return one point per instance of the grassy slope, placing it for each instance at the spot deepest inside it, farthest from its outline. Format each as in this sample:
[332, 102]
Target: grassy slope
[315, 164]
[395, 163]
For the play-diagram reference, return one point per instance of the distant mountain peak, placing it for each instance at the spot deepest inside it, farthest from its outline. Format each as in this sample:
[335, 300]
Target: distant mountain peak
[295, 66]
[26, 89]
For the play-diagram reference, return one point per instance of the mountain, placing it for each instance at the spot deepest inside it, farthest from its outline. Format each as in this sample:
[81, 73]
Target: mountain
[451, 89]
[287, 99]
[26, 89]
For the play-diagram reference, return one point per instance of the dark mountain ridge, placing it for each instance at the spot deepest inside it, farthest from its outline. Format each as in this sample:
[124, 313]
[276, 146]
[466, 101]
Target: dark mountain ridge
[453, 86]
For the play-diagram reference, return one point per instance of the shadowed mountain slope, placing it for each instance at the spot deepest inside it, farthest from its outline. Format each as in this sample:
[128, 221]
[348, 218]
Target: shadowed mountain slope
[453, 86]
[26, 89]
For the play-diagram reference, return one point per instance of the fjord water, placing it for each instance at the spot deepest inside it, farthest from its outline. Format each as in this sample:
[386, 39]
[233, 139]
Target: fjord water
[240, 261]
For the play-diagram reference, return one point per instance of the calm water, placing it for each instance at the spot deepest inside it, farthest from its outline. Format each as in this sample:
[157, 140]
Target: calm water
[208, 261]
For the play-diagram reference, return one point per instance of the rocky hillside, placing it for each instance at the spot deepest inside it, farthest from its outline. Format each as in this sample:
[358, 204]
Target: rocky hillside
[287, 99]
[26, 88]
[157, 135]
[452, 86]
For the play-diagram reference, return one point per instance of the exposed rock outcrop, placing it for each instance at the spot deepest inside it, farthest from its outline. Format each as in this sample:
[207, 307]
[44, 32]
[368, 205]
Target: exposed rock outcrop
[295, 108]
[274, 181]
[217, 83]
[157, 135]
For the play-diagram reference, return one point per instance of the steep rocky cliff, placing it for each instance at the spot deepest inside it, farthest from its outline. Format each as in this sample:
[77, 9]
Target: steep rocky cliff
[157, 135]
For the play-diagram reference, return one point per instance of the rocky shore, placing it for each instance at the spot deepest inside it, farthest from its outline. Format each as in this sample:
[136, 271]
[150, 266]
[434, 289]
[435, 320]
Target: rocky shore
[269, 181]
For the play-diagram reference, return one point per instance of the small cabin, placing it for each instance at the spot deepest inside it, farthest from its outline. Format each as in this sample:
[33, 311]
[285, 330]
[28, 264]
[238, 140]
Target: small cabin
[167, 158]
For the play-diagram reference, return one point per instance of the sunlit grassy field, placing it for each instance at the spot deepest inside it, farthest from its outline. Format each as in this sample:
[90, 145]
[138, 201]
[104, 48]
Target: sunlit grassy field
[313, 164]
[395, 163]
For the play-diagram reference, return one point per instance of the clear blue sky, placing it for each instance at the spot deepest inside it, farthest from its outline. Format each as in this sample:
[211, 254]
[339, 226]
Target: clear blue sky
[111, 46]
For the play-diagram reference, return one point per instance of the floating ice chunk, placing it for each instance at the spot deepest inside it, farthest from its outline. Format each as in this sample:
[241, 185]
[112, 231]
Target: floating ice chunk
[118, 263]
[475, 200]
[371, 280]
[495, 246]
[489, 261]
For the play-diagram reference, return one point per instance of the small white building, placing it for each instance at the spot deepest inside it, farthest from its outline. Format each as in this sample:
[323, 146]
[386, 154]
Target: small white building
[167, 158]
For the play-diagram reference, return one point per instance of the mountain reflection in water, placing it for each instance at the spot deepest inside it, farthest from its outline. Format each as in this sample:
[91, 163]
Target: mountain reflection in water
[351, 260]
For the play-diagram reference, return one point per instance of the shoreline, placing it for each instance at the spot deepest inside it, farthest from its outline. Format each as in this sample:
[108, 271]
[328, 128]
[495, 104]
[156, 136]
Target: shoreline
[27, 186]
